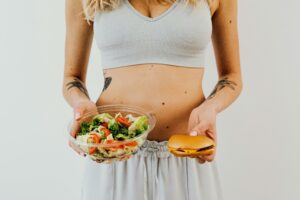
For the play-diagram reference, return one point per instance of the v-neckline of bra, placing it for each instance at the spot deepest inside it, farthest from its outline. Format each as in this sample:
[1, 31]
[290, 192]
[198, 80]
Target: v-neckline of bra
[151, 18]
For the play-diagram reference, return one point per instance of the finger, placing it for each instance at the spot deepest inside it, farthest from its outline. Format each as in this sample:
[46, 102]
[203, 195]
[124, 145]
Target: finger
[198, 130]
[209, 158]
[200, 160]
[76, 148]
[77, 151]
[191, 123]
[210, 134]
[78, 113]
[193, 156]
[75, 128]
[193, 133]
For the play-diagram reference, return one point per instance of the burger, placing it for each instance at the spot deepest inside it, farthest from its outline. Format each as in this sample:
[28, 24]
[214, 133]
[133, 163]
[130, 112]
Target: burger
[186, 145]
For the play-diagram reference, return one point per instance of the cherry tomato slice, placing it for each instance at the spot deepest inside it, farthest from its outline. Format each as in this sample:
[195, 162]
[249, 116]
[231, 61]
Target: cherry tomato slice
[115, 146]
[123, 121]
[92, 150]
[109, 141]
[106, 131]
[95, 139]
[133, 143]
[105, 124]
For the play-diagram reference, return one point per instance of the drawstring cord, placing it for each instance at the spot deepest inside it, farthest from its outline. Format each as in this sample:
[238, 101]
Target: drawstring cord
[149, 149]
[145, 181]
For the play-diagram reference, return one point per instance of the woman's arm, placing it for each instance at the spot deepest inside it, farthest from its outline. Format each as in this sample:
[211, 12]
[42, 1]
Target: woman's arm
[78, 43]
[202, 119]
[79, 37]
[226, 47]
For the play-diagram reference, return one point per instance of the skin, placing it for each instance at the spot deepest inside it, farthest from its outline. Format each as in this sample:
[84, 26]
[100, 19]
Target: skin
[174, 94]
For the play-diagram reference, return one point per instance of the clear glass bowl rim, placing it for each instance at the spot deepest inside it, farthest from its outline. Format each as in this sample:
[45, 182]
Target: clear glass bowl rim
[119, 108]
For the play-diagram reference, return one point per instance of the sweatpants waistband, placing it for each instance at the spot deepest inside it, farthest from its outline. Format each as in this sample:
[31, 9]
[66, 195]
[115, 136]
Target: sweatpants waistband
[154, 148]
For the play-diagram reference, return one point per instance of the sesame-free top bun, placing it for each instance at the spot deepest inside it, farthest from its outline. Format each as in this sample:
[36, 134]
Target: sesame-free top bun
[186, 145]
[189, 142]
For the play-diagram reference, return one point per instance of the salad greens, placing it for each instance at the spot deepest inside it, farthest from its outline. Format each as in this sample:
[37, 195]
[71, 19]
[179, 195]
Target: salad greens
[120, 127]
[138, 126]
[107, 129]
[84, 128]
[114, 127]
[103, 117]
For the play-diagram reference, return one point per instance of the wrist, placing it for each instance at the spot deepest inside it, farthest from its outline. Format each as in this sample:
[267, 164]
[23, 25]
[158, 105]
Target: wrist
[80, 102]
[209, 105]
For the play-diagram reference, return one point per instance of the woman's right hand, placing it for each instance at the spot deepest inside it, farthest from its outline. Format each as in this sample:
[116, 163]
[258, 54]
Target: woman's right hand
[80, 109]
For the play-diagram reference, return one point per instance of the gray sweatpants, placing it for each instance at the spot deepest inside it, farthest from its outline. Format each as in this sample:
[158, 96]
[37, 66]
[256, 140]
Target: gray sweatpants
[153, 173]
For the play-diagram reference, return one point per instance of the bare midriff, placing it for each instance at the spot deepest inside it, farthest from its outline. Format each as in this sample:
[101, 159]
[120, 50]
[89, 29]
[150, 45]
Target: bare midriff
[170, 92]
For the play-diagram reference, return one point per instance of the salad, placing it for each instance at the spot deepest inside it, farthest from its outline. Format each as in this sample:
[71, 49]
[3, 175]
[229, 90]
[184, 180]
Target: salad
[107, 130]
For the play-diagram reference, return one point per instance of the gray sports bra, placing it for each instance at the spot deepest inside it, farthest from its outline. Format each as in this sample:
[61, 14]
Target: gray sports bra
[179, 36]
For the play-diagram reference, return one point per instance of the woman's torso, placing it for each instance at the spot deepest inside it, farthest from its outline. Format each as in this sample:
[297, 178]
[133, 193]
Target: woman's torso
[169, 91]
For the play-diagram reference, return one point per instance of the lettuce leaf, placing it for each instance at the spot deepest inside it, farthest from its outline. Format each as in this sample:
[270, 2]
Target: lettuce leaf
[113, 127]
[103, 117]
[84, 128]
[139, 126]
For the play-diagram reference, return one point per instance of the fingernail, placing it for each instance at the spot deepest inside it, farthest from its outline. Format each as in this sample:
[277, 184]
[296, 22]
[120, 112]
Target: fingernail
[193, 133]
[77, 115]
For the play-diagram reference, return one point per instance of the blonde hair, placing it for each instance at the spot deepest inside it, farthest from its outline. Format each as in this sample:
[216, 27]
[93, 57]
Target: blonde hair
[90, 7]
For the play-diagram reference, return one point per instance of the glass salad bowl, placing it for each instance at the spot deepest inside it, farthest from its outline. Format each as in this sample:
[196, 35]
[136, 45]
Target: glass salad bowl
[115, 133]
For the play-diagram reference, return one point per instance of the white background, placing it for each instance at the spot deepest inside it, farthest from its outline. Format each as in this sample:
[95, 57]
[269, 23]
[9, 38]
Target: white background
[258, 134]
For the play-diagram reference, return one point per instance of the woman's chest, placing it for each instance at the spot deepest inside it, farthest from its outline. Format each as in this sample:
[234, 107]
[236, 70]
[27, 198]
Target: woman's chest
[181, 26]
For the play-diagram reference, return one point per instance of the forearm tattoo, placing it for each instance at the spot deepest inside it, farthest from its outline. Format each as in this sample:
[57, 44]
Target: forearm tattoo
[107, 82]
[77, 84]
[222, 84]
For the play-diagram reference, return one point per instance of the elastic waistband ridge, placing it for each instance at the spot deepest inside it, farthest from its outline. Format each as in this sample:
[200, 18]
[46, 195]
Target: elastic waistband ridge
[154, 148]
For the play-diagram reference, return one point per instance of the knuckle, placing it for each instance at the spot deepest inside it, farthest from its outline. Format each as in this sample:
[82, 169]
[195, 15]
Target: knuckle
[210, 158]
[200, 161]
[201, 127]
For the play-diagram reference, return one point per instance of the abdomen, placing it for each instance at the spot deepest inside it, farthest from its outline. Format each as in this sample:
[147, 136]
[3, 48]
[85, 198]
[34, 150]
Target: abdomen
[170, 92]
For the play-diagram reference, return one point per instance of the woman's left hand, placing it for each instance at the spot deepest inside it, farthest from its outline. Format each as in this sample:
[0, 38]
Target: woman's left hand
[202, 121]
